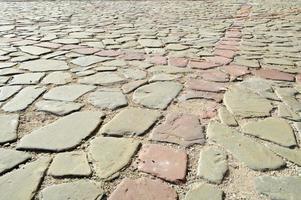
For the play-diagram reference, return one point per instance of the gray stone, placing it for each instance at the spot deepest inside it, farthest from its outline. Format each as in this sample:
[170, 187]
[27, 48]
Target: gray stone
[34, 50]
[11, 158]
[7, 65]
[163, 77]
[57, 78]
[43, 65]
[58, 107]
[66, 41]
[8, 91]
[285, 112]
[204, 192]
[135, 74]
[103, 78]
[131, 86]
[85, 61]
[65, 133]
[169, 70]
[293, 154]
[287, 95]
[150, 43]
[27, 79]
[10, 71]
[226, 117]
[8, 127]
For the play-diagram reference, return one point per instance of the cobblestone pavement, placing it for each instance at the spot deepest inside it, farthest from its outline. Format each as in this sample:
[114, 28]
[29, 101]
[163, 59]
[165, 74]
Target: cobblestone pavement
[144, 100]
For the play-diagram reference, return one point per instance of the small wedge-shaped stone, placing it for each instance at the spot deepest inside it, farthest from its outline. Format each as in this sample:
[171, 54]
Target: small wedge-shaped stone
[204, 192]
[63, 134]
[157, 95]
[273, 129]
[226, 117]
[255, 155]
[23, 183]
[34, 50]
[11, 158]
[125, 122]
[8, 91]
[212, 165]
[293, 155]
[27, 79]
[285, 187]
[131, 86]
[43, 65]
[77, 190]
[8, 127]
[58, 107]
[89, 60]
[24, 98]
[111, 154]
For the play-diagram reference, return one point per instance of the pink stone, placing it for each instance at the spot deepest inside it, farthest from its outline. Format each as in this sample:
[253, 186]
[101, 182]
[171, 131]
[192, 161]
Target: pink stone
[298, 78]
[274, 75]
[133, 56]
[143, 189]
[70, 46]
[86, 51]
[210, 111]
[162, 161]
[227, 47]
[177, 62]
[108, 53]
[215, 75]
[233, 34]
[236, 70]
[179, 128]
[202, 64]
[229, 42]
[225, 53]
[49, 45]
[158, 60]
[198, 84]
[219, 60]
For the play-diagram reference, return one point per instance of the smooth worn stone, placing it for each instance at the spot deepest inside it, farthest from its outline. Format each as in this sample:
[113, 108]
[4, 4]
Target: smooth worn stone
[103, 78]
[68, 92]
[85, 61]
[283, 187]
[10, 71]
[204, 192]
[65, 133]
[152, 43]
[207, 86]
[169, 70]
[163, 77]
[252, 63]
[8, 127]
[291, 154]
[164, 162]
[11, 158]
[57, 78]
[58, 107]
[43, 65]
[192, 94]
[110, 155]
[26, 79]
[202, 64]
[77, 190]
[285, 112]
[215, 76]
[273, 129]
[125, 122]
[34, 50]
[182, 129]
[212, 165]
[107, 99]
[226, 117]
[8, 91]
[148, 189]
[134, 74]
[177, 62]
[274, 75]
[254, 155]
[176, 47]
[24, 98]
[157, 95]
[131, 86]
[24, 182]
[4, 79]
[236, 71]
[66, 41]
[70, 164]
[243, 103]
[287, 95]
[7, 65]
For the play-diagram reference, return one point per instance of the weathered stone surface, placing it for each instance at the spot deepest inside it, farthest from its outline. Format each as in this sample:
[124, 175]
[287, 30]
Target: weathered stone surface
[201, 85]
[11, 158]
[150, 43]
[8, 91]
[111, 154]
[212, 165]
[63, 134]
[163, 77]
[255, 155]
[288, 96]
[157, 95]
[58, 107]
[131, 86]
[183, 129]
[272, 129]
[274, 75]
[148, 189]
[103, 78]
[284, 187]
[125, 122]
[57, 78]
[77, 190]
[24, 98]
[291, 154]
[43, 65]
[107, 98]
[169, 70]
[226, 117]
[34, 50]
[164, 162]
[8, 127]
[204, 192]
[192, 94]
[135, 74]
[26, 79]
[85, 61]
[23, 183]
[68, 92]
[285, 112]
[10, 71]
[70, 164]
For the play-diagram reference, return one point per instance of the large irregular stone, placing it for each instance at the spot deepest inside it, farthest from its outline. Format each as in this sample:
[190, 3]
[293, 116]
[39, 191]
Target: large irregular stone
[68, 92]
[204, 192]
[285, 187]
[110, 154]
[212, 165]
[10, 71]
[8, 127]
[24, 182]
[8, 91]
[148, 189]
[103, 78]
[85, 61]
[58, 107]
[63, 134]
[164, 162]
[293, 155]
[182, 129]
[244, 103]
[11, 158]
[43, 65]
[272, 129]
[24, 98]
[157, 95]
[77, 190]
[34, 50]
[57, 78]
[70, 164]
[255, 155]
[27, 79]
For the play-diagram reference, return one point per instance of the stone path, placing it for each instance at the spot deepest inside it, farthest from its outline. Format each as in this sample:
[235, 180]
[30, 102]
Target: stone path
[143, 100]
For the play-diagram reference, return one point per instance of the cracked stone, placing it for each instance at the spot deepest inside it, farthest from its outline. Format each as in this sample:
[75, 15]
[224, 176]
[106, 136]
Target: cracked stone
[11, 158]
[58, 107]
[226, 117]
[131, 86]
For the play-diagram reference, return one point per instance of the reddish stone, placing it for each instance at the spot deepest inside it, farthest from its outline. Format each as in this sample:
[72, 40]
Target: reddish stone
[298, 78]
[233, 34]
[219, 60]
[134, 56]
[197, 84]
[225, 53]
[236, 70]
[86, 51]
[108, 53]
[215, 75]
[229, 42]
[70, 47]
[162, 161]
[227, 47]
[192, 94]
[274, 75]
[182, 129]
[177, 62]
[202, 64]
[158, 60]
[210, 112]
[49, 45]
[143, 189]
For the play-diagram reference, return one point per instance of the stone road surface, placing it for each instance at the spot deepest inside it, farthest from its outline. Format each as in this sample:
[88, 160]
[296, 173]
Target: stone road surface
[150, 100]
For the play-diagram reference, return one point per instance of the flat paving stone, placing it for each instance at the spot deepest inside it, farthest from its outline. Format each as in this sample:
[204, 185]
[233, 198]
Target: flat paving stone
[8, 127]
[152, 43]
[204, 192]
[43, 65]
[63, 134]
[8, 91]
[291, 154]
[207, 86]
[85, 61]
[10, 158]
[57, 78]
[110, 155]
[34, 50]
[10, 71]
[131, 86]
[274, 75]
[27, 79]
[148, 189]
[103, 78]
[58, 107]
[226, 117]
